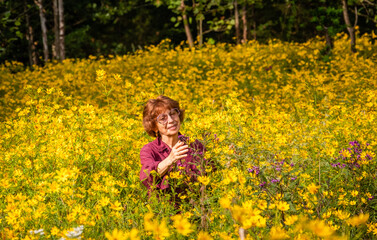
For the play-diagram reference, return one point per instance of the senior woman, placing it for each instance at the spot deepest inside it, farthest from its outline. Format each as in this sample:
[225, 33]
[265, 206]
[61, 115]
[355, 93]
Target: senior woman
[162, 119]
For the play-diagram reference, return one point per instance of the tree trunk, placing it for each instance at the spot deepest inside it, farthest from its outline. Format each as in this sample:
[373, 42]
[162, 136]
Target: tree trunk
[43, 27]
[58, 49]
[61, 30]
[350, 28]
[236, 21]
[56, 45]
[244, 22]
[30, 39]
[186, 25]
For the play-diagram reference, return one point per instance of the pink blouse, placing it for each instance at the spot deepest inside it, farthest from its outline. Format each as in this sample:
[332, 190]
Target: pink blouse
[156, 151]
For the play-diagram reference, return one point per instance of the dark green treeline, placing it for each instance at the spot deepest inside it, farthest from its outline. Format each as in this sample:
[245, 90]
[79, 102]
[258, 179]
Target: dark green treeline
[34, 31]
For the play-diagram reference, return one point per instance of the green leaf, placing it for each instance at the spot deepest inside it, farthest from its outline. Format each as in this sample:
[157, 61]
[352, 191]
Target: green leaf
[200, 16]
[173, 19]
[319, 28]
[19, 34]
[211, 41]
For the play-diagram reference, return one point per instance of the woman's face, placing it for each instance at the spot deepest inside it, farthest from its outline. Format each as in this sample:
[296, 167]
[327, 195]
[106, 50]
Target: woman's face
[168, 122]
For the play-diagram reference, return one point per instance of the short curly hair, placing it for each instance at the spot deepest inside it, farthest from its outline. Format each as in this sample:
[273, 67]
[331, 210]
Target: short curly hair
[153, 108]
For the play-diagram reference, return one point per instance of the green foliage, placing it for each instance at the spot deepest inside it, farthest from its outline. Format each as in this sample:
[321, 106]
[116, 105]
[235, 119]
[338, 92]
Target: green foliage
[116, 27]
[328, 15]
[11, 25]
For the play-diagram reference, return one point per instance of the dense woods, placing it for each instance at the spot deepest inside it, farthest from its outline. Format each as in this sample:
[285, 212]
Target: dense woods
[35, 31]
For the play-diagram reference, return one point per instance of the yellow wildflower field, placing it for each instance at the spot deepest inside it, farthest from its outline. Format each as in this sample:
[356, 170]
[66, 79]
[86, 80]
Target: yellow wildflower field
[292, 134]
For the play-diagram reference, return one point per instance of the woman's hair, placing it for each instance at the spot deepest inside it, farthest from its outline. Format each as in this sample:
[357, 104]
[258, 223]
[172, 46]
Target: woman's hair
[153, 108]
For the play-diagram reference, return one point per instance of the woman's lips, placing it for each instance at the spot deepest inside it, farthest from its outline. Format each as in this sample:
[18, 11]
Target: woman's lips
[172, 127]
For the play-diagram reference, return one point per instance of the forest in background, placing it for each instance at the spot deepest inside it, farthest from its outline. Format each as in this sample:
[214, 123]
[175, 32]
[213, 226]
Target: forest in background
[33, 32]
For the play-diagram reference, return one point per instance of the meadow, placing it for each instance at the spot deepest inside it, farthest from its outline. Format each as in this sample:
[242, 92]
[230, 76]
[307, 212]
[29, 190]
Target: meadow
[292, 133]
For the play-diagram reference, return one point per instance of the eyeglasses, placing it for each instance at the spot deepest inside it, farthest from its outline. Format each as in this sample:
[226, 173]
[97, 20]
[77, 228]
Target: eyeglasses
[163, 117]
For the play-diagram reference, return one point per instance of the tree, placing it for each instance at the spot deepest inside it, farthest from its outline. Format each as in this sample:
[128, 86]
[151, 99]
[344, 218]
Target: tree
[245, 5]
[59, 47]
[349, 25]
[236, 21]
[179, 8]
[42, 17]
[182, 9]
[30, 36]
[326, 15]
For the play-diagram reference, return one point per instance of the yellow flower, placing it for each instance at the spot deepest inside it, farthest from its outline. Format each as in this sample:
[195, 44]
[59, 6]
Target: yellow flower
[116, 235]
[253, 221]
[100, 74]
[147, 221]
[117, 206]
[134, 234]
[272, 206]
[204, 236]
[319, 228]
[278, 233]
[182, 225]
[312, 188]
[238, 213]
[159, 230]
[283, 206]
[342, 215]
[204, 180]
[225, 202]
[326, 215]
[55, 231]
[358, 220]
[262, 204]
[290, 220]
[104, 201]
[302, 236]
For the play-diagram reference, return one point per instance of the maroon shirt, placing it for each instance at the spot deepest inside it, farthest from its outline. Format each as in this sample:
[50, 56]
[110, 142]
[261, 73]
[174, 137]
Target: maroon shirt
[156, 151]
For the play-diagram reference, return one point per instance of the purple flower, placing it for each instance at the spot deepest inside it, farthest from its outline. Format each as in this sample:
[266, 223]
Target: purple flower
[293, 178]
[354, 143]
[335, 164]
[275, 180]
[216, 138]
[183, 138]
[255, 170]
[262, 184]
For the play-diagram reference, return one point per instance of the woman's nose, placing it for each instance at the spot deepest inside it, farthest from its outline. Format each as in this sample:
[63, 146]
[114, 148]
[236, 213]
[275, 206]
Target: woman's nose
[170, 118]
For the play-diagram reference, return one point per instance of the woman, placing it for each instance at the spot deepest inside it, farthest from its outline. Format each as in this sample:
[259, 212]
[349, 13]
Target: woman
[162, 118]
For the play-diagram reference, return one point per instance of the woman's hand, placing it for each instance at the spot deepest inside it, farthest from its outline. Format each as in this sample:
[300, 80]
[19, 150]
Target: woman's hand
[179, 151]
